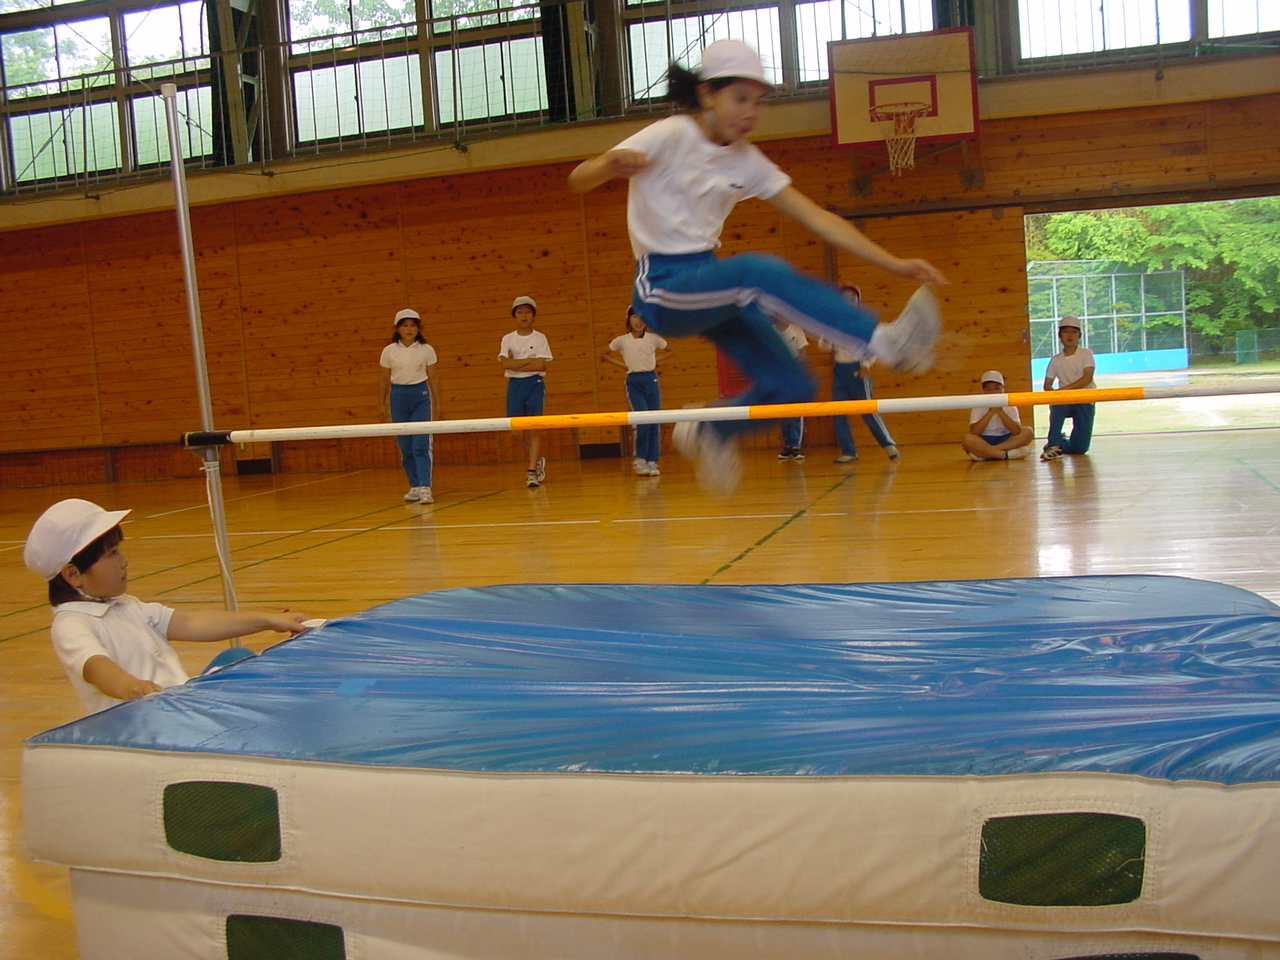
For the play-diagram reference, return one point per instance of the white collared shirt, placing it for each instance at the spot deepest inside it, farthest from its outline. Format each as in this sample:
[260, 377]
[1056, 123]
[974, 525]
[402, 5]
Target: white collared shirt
[130, 633]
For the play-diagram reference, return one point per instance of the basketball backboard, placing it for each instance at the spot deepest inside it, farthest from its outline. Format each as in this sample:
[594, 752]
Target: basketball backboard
[932, 69]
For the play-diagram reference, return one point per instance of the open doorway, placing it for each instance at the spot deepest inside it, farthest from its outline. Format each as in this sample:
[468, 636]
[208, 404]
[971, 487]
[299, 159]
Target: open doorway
[1174, 294]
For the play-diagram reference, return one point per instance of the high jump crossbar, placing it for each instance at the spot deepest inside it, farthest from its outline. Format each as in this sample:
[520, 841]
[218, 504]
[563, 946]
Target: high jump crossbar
[822, 408]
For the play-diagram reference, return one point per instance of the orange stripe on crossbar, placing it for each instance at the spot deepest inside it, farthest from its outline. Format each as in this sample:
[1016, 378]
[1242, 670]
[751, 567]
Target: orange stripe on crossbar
[555, 422]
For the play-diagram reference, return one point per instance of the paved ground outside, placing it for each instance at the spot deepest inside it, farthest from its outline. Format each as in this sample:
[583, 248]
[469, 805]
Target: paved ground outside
[1195, 413]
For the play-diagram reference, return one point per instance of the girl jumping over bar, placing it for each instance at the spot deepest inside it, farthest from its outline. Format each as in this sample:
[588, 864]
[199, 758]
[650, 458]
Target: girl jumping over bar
[686, 173]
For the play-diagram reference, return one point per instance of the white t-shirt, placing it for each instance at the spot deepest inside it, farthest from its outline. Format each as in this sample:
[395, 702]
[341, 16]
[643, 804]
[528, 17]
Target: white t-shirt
[795, 338]
[1070, 369]
[679, 202]
[516, 347]
[842, 354]
[995, 426]
[639, 353]
[408, 365]
[130, 633]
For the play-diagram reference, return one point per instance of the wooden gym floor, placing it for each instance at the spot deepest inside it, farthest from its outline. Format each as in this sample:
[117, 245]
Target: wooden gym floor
[1203, 505]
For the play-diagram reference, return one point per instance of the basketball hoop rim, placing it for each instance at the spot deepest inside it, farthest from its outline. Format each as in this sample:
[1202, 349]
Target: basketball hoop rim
[894, 111]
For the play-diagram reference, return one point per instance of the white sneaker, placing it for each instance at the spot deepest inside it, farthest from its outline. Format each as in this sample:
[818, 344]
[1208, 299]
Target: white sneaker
[717, 456]
[641, 467]
[413, 495]
[653, 469]
[1018, 453]
[541, 469]
[907, 343]
[424, 495]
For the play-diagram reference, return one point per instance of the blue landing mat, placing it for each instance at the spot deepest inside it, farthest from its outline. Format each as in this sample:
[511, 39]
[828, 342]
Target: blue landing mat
[1160, 677]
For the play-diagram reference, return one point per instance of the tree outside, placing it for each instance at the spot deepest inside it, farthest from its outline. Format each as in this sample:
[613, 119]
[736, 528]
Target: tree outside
[1229, 255]
[1229, 251]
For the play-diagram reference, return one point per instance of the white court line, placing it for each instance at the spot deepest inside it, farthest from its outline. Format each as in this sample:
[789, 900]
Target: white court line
[399, 527]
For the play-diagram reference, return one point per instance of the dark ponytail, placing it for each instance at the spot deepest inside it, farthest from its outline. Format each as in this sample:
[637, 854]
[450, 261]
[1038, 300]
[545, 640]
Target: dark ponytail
[682, 87]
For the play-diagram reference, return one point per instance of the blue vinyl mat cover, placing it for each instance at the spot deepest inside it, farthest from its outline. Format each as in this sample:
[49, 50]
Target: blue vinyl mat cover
[1159, 677]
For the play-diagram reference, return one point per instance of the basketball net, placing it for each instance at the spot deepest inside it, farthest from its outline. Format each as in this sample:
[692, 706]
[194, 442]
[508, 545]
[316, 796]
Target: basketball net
[901, 139]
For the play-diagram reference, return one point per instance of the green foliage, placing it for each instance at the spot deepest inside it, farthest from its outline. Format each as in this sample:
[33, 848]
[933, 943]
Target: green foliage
[1229, 249]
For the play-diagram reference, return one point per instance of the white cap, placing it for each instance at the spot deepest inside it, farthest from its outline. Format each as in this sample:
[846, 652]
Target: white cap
[407, 314]
[731, 58]
[994, 376]
[64, 530]
[524, 302]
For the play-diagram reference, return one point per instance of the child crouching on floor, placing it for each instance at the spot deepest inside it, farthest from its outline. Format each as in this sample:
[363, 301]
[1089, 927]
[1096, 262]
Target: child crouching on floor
[113, 646]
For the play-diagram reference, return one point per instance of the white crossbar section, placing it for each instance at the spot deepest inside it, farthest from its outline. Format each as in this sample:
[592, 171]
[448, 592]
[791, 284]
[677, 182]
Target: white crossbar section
[826, 408]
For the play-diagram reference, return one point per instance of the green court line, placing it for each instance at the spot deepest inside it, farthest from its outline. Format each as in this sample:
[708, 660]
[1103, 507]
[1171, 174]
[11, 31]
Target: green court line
[1267, 480]
[213, 557]
[778, 529]
[325, 543]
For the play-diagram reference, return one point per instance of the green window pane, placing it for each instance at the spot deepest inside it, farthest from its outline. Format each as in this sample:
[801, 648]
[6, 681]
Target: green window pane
[1062, 859]
[817, 24]
[372, 96]
[151, 128]
[60, 143]
[655, 43]
[223, 821]
[491, 80]
[276, 938]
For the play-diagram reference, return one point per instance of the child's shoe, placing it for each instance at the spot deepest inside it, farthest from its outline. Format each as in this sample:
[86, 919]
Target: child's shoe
[845, 458]
[412, 496]
[424, 495]
[1051, 453]
[892, 452]
[907, 343]
[540, 469]
[531, 478]
[653, 470]
[717, 457]
[1019, 453]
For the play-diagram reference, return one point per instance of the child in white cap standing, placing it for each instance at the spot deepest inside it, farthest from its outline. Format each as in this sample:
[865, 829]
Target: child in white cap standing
[113, 646]
[996, 433]
[409, 392]
[686, 172]
[524, 355]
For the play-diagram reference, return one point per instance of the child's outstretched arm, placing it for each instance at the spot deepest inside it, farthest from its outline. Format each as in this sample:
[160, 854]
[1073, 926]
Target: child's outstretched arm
[839, 232]
[225, 624]
[590, 174]
[114, 681]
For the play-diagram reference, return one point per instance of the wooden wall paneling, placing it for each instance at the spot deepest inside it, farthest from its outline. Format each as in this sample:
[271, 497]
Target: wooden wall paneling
[48, 378]
[321, 277]
[160, 461]
[146, 380]
[39, 468]
[475, 243]
[984, 307]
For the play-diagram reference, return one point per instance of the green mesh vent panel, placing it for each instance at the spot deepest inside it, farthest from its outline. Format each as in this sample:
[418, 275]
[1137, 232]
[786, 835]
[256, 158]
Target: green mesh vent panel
[275, 938]
[223, 821]
[1062, 859]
